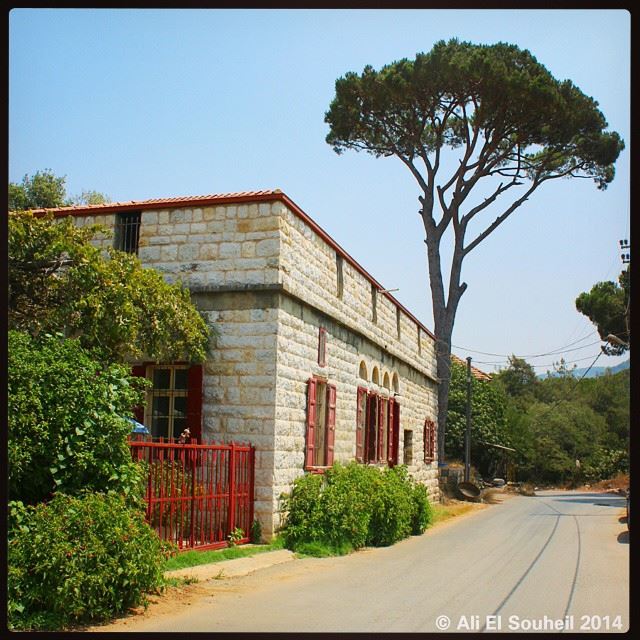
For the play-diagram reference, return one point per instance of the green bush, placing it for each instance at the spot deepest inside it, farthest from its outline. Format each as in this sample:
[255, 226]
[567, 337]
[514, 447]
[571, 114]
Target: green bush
[393, 507]
[304, 520]
[79, 558]
[66, 430]
[352, 506]
[422, 510]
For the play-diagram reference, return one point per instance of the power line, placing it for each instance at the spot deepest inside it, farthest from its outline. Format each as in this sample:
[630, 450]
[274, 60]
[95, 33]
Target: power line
[538, 355]
[536, 366]
[566, 397]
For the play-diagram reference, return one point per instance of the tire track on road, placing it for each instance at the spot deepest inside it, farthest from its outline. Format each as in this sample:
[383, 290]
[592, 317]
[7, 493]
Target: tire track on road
[579, 556]
[530, 567]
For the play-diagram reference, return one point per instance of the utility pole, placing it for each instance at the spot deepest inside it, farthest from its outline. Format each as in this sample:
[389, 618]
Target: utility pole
[467, 439]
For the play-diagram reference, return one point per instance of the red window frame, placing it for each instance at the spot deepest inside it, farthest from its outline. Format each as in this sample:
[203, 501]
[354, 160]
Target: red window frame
[379, 420]
[195, 380]
[429, 440]
[312, 425]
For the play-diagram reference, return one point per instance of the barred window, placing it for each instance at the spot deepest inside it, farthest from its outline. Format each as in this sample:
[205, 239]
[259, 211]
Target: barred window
[127, 232]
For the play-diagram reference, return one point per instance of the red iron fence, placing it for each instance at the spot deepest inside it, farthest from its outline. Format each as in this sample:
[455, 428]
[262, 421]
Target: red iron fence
[198, 494]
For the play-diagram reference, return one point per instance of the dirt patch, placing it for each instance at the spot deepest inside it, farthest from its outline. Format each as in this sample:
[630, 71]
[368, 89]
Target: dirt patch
[618, 484]
[169, 601]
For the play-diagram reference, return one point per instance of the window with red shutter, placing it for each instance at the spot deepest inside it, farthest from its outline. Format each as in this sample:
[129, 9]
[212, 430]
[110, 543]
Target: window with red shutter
[396, 433]
[390, 448]
[371, 433]
[429, 440]
[382, 429]
[331, 424]
[174, 403]
[311, 422]
[321, 424]
[194, 400]
[361, 417]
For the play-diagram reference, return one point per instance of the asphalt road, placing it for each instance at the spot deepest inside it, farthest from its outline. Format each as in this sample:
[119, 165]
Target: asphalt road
[558, 561]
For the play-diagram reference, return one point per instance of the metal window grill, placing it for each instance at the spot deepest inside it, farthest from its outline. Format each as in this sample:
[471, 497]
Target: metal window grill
[127, 232]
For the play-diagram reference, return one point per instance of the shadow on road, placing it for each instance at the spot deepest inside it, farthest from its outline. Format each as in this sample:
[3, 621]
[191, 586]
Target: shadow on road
[597, 499]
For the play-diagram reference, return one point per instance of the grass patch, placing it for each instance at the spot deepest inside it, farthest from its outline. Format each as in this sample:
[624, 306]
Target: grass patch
[322, 550]
[194, 558]
[441, 513]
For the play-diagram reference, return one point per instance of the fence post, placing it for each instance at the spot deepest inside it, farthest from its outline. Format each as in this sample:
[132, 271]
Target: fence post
[192, 464]
[232, 487]
[252, 475]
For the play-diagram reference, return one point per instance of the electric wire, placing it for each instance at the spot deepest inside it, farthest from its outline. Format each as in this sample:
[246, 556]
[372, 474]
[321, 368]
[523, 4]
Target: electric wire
[538, 355]
[536, 366]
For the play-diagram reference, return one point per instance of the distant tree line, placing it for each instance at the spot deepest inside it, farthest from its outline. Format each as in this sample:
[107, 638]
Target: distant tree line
[563, 430]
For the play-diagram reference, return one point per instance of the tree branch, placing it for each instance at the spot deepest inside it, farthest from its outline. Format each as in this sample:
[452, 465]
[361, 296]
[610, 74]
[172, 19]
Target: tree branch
[501, 218]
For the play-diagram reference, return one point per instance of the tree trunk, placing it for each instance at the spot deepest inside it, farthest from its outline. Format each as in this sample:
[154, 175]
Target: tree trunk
[443, 331]
[444, 313]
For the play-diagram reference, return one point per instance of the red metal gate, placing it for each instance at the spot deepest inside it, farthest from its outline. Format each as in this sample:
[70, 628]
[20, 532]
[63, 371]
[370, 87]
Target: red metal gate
[198, 494]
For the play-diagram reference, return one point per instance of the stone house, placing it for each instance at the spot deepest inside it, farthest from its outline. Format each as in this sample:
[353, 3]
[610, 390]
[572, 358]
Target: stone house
[315, 361]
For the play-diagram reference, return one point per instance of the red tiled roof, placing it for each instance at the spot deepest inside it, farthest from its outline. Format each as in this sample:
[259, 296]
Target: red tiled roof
[154, 203]
[229, 198]
[478, 374]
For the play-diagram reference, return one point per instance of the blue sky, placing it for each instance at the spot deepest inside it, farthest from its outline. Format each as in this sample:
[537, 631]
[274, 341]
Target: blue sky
[150, 103]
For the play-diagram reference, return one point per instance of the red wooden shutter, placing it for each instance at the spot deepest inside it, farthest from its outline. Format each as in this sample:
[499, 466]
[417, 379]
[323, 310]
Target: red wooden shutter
[139, 371]
[429, 440]
[194, 400]
[382, 454]
[311, 422]
[361, 413]
[425, 440]
[434, 434]
[396, 433]
[370, 430]
[331, 424]
[389, 427]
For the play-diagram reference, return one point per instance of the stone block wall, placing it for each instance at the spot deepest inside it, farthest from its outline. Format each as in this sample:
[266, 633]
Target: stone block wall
[226, 245]
[305, 257]
[240, 382]
[297, 361]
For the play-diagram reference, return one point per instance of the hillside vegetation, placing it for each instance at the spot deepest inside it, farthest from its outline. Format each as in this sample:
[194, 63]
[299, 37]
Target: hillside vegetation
[564, 430]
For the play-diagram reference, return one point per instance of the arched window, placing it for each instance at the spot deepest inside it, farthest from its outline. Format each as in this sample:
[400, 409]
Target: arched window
[375, 376]
[385, 382]
[396, 383]
[362, 373]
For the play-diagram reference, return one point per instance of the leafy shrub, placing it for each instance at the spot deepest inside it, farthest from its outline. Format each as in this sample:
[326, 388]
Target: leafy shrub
[66, 432]
[393, 507]
[256, 532]
[304, 520]
[422, 510]
[79, 558]
[352, 506]
[605, 463]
